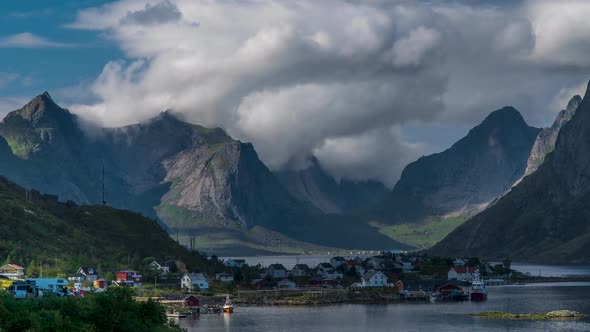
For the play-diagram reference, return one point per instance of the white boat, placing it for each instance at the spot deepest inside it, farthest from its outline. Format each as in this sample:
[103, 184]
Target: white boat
[478, 290]
[228, 305]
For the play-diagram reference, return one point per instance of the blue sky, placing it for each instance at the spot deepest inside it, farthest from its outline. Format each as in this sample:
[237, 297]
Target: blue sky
[77, 57]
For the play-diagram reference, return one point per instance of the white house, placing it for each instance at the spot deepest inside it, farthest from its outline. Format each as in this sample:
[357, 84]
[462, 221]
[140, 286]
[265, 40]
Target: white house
[194, 281]
[87, 273]
[462, 273]
[324, 268]
[12, 271]
[286, 283]
[235, 263]
[300, 270]
[160, 266]
[276, 271]
[374, 279]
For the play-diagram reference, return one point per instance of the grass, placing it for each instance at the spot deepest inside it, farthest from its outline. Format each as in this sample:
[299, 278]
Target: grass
[423, 235]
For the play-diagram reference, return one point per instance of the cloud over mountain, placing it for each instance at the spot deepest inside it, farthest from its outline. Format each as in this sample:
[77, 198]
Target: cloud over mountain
[327, 77]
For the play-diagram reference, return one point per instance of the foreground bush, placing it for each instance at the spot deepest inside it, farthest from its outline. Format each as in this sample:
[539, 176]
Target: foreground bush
[114, 310]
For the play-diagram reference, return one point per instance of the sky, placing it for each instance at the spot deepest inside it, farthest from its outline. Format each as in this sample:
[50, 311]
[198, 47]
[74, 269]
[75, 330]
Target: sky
[364, 86]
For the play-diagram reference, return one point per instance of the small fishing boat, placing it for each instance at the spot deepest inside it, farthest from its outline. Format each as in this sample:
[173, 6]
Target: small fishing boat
[228, 306]
[478, 290]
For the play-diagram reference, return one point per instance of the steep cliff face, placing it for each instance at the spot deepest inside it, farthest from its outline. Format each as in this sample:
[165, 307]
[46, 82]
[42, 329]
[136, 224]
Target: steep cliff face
[465, 178]
[545, 142]
[314, 185]
[546, 216]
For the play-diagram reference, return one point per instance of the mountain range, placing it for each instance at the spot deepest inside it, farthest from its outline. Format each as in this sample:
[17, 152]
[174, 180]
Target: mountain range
[197, 182]
[545, 217]
[202, 185]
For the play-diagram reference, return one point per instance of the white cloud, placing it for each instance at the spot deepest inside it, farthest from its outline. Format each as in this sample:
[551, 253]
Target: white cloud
[329, 77]
[28, 40]
[410, 50]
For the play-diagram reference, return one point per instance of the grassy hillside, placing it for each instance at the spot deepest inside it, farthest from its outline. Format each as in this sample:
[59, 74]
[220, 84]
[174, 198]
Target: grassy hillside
[64, 236]
[421, 235]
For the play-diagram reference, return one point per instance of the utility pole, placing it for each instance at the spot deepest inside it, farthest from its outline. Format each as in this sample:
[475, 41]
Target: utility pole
[104, 202]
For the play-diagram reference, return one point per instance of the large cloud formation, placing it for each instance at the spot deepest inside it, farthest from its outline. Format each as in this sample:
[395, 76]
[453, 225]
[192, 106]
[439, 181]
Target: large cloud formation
[335, 79]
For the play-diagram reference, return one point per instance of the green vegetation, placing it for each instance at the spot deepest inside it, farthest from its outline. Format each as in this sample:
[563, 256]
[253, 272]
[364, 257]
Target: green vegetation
[60, 237]
[423, 235]
[21, 138]
[112, 310]
[559, 314]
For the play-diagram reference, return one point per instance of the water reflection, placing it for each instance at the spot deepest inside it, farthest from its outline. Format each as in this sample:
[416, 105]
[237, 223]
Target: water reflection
[412, 316]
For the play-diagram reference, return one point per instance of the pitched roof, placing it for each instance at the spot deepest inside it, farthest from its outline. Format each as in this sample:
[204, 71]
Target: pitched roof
[14, 266]
[339, 259]
[371, 274]
[87, 270]
[276, 266]
[301, 267]
[325, 266]
[196, 276]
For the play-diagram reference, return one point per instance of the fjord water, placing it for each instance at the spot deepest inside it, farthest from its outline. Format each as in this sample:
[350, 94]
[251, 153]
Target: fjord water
[413, 316]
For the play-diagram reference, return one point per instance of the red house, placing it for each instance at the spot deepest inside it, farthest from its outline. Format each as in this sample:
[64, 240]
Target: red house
[191, 302]
[129, 278]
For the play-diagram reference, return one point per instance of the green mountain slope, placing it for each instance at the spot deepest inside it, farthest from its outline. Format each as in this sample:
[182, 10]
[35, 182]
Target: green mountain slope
[546, 217]
[64, 236]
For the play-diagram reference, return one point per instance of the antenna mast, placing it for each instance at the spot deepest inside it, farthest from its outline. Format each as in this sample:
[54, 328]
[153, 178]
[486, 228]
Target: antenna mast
[104, 202]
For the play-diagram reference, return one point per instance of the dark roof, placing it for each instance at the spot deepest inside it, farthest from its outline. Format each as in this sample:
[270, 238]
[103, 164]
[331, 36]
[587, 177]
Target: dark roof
[301, 267]
[88, 270]
[339, 259]
[276, 266]
[325, 266]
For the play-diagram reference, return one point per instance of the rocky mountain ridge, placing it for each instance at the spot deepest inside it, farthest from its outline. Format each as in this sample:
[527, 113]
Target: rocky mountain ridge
[543, 218]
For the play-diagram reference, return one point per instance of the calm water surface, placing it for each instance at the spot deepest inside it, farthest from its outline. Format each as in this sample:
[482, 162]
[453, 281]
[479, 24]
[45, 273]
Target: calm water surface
[412, 317]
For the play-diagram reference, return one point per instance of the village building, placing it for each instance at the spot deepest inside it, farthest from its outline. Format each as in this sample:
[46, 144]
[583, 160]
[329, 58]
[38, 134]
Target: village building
[100, 283]
[86, 273]
[12, 271]
[235, 263]
[337, 261]
[224, 277]
[194, 281]
[160, 266]
[276, 271]
[324, 268]
[462, 273]
[259, 283]
[286, 283]
[374, 279]
[300, 270]
[128, 278]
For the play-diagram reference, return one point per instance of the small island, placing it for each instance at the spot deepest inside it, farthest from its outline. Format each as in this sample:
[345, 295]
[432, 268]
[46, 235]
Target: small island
[557, 314]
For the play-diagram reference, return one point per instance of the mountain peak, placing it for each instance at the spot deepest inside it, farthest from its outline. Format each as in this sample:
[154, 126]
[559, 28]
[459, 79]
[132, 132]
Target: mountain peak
[42, 110]
[506, 114]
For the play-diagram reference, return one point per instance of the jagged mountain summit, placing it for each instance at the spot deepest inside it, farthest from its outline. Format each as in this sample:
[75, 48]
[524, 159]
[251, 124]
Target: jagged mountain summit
[463, 179]
[545, 217]
[545, 142]
[196, 181]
